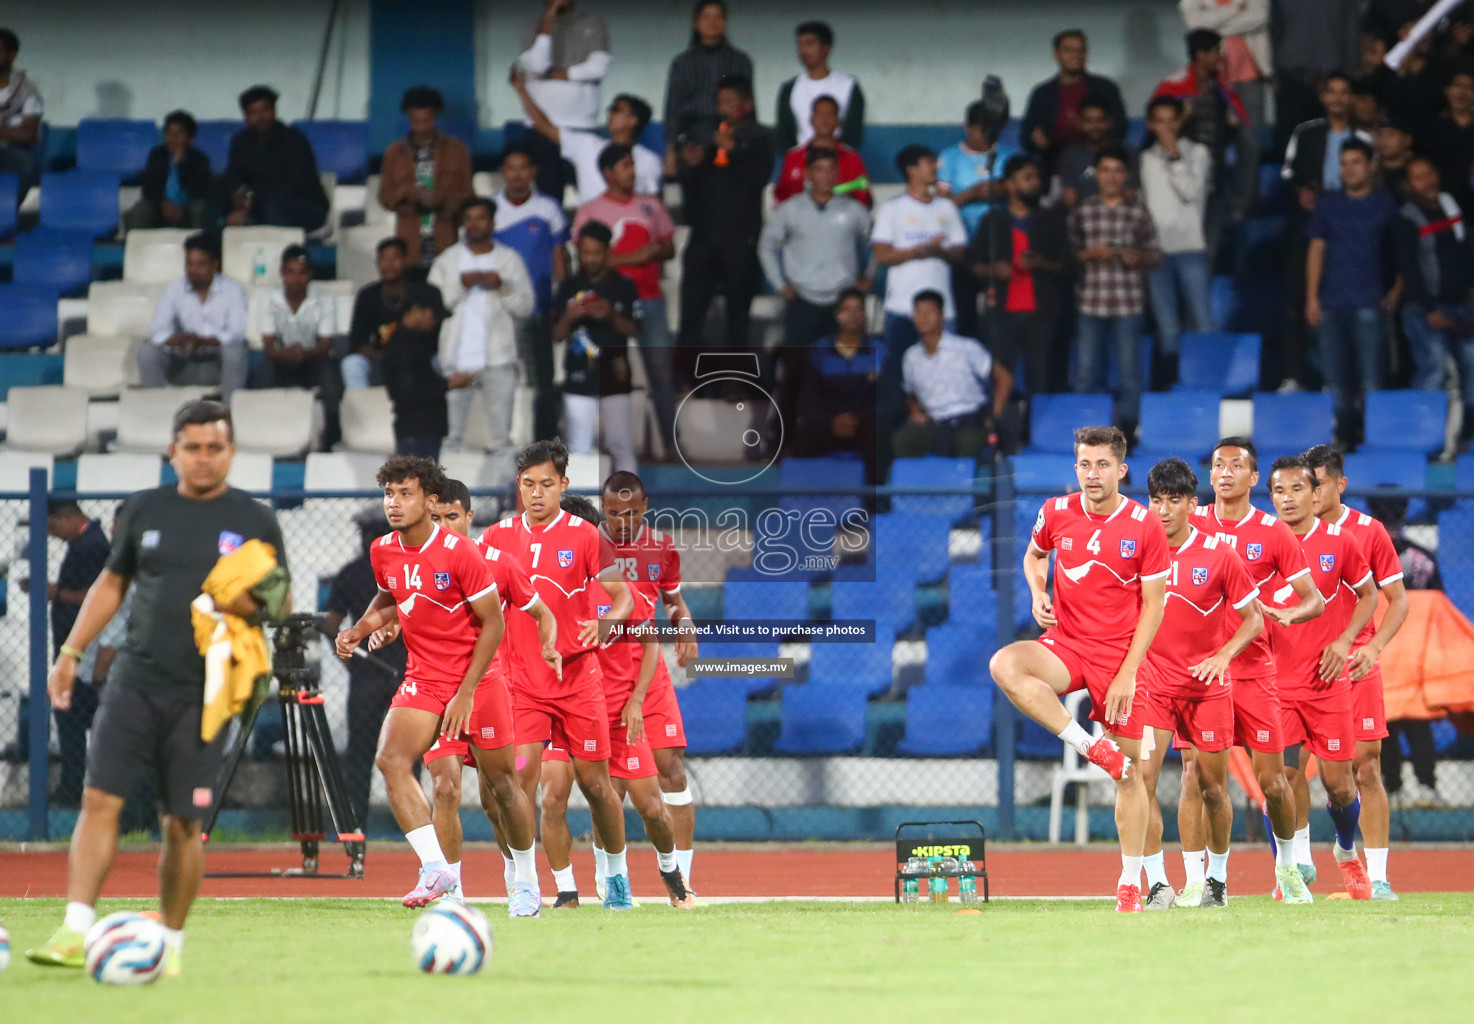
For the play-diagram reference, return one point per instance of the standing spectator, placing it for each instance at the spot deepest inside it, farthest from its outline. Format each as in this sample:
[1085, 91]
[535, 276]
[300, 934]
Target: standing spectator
[271, 172]
[835, 410]
[176, 181]
[691, 84]
[1348, 287]
[1311, 38]
[394, 340]
[723, 182]
[810, 251]
[1115, 241]
[968, 174]
[643, 236]
[1452, 137]
[853, 179]
[624, 123]
[20, 118]
[1244, 26]
[1437, 269]
[797, 95]
[1394, 153]
[1174, 188]
[565, 54]
[1049, 123]
[297, 332]
[1077, 160]
[425, 179]
[532, 225]
[596, 313]
[198, 334]
[487, 290]
[945, 379]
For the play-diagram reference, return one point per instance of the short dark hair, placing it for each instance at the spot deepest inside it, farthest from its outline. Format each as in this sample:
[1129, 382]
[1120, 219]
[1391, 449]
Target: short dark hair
[1171, 478]
[453, 492]
[911, 155]
[422, 97]
[393, 242]
[598, 231]
[824, 97]
[519, 149]
[814, 152]
[850, 293]
[622, 480]
[203, 411]
[1094, 103]
[1287, 462]
[1113, 151]
[930, 295]
[399, 468]
[1237, 441]
[976, 116]
[613, 154]
[475, 201]
[295, 252]
[63, 507]
[183, 119]
[202, 242]
[1459, 69]
[1164, 101]
[1097, 437]
[818, 29]
[1335, 75]
[538, 452]
[1201, 40]
[740, 84]
[1355, 145]
[1324, 456]
[9, 40]
[578, 505]
[637, 106]
[1016, 163]
[255, 94]
[1069, 33]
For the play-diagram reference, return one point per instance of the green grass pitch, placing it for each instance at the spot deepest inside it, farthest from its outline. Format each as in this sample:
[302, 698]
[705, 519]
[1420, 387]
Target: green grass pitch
[274, 962]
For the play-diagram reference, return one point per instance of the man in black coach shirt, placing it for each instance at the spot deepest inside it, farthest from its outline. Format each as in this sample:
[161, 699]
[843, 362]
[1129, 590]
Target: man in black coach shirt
[167, 541]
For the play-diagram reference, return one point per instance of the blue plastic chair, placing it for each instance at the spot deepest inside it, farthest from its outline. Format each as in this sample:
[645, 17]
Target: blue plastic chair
[865, 668]
[1035, 474]
[765, 600]
[27, 315]
[59, 261]
[115, 145]
[743, 649]
[9, 204]
[957, 652]
[1182, 423]
[1032, 740]
[80, 201]
[1405, 420]
[1387, 468]
[822, 719]
[947, 721]
[812, 536]
[933, 471]
[1227, 364]
[1291, 422]
[1261, 243]
[1053, 420]
[1248, 303]
[911, 549]
[1456, 554]
[714, 713]
[213, 139]
[341, 147]
[889, 602]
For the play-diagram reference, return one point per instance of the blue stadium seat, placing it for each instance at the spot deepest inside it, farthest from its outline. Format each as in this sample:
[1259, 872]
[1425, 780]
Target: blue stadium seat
[817, 538]
[1273, 190]
[765, 600]
[80, 201]
[9, 204]
[60, 261]
[341, 147]
[1406, 420]
[714, 713]
[114, 145]
[957, 652]
[1042, 474]
[1053, 420]
[1033, 740]
[933, 471]
[862, 668]
[889, 603]
[1266, 460]
[1224, 363]
[747, 685]
[1456, 554]
[947, 721]
[1464, 473]
[822, 719]
[27, 315]
[1248, 303]
[909, 549]
[1387, 467]
[972, 602]
[1181, 423]
[1260, 244]
[1291, 422]
[213, 139]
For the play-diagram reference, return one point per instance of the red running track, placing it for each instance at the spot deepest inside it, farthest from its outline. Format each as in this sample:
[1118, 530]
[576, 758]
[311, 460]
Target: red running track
[720, 870]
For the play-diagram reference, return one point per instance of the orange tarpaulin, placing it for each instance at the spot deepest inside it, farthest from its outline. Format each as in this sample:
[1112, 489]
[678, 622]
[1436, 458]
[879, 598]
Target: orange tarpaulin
[1428, 669]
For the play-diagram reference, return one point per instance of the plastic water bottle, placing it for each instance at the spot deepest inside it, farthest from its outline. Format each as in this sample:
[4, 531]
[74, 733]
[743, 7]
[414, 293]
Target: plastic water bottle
[258, 271]
[937, 885]
[911, 880]
[967, 885]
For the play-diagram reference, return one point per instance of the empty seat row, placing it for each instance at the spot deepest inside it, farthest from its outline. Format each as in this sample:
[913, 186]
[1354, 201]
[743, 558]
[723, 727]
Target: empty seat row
[120, 146]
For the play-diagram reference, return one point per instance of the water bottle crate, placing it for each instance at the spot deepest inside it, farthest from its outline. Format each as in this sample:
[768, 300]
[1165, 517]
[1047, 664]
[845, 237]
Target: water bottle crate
[948, 848]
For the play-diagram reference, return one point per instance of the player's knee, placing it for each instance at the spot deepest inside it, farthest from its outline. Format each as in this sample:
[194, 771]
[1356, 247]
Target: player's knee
[1272, 782]
[1368, 772]
[96, 802]
[1214, 791]
[1004, 667]
[392, 762]
[673, 776]
[178, 830]
[447, 790]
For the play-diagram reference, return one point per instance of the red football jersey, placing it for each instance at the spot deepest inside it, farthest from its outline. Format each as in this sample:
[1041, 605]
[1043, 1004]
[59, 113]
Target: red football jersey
[1381, 555]
[1205, 586]
[1273, 555]
[434, 586]
[518, 596]
[1336, 565]
[620, 661]
[1099, 565]
[649, 562]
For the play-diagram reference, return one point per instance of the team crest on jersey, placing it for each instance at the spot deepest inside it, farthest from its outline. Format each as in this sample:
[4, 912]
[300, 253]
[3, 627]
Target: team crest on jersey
[1254, 551]
[229, 542]
[1128, 549]
[1327, 563]
[652, 570]
[1200, 575]
[604, 609]
[442, 581]
[150, 540]
[565, 558]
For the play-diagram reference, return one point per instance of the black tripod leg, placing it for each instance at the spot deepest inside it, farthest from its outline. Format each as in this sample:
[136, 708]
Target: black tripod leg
[227, 768]
[298, 784]
[334, 788]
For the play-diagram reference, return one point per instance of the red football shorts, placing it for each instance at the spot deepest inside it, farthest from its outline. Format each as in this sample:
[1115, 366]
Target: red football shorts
[1092, 666]
[490, 726]
[663, 726]
[579, 714]
[553, 753]
[1257, 720]
[1205, 722]
[629, 760]
[1368, 713]
[1322, 721]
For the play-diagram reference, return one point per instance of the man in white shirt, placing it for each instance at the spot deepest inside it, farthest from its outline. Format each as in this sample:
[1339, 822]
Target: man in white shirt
[198, 334]
[20, 117]
[487, 289]
[797, 95]
[565, 54]
[947, 381]
[625, 122]
[297, 332]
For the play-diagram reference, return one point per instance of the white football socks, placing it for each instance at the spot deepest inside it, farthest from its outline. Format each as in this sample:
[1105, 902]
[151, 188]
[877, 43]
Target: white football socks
[80, 917]
[426, 846]
[1376, 863]
[1342, 856]
[614, 864]
[1192, 864]
[563, 879]
[1218, 866]
[1156, 869]
[601, 865]
[1284, 852]
[683, 858]
[666, 861]
[1130, 870]
[524, 866]
[174, 940]
[509, 869]
[1302, 845]
[455, 869]
[1077, 737]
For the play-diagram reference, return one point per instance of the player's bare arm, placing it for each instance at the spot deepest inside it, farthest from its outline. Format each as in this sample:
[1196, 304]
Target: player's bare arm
[612, 580]
[680, 615]
[1213, 670]
[547, 634]
[373, 618]
[1123, 687]
[488, 608]
[632, 716]
[1338, 655]
[1365, 658]
[1309, 606]
[1036, 574]
[102, 602]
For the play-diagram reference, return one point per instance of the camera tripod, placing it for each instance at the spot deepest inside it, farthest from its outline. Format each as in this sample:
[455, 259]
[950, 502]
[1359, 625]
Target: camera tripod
[314, 772]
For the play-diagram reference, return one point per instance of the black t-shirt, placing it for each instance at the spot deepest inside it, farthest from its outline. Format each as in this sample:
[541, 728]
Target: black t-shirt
[85, 558]
[596, 361]
[167, 544]
[415, 388]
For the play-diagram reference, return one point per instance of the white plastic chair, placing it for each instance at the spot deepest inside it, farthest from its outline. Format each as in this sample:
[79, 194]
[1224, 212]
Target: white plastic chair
[367, 418]
[120, 472]
[240, 246]
[146, 418]
[47, 419]
[357, 252]
[251, 471]
[155, 255]
[101, 365]
[121, 308]
[1073, 769]
[16, 466]
[273, 421]
[342, 471]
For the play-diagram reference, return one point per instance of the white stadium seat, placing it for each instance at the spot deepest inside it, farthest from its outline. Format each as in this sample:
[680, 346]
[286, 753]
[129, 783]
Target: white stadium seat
[16, 466]
[101, 365]
[240, 248]
[479, 471]
[373, 213]
[46, 419]
[368, 421]
[342, 292]
[587, 472]
[342, 471]
[122, 308]
[356, 252]
[154, 256]
[251, 471]
[273, 421]
[118, 472]
[146, 418]
[710, 430]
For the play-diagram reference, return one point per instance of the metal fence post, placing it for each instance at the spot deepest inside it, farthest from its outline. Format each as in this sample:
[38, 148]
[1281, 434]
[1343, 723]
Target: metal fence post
[1003, 569]
[40, 738]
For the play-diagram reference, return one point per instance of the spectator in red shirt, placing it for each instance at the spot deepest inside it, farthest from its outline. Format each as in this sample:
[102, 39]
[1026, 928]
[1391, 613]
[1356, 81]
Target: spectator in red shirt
[853, 181]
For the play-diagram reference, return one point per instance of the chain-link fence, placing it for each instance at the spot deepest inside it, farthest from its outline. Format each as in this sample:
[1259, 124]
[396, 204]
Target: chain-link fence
[859, 696]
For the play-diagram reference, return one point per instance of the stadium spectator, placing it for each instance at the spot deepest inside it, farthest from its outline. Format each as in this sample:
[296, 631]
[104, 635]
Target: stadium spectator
[271, 172]
[1349, 288]
[797, 95]
[1394, 153]
[176, 181]
[297, 332]
[945, 379]
[1115, 241]
[487, 289]
[624, 123]
[597, 313]
[565, 54]
[394, 340]
[691, 83]
[198, 333]
[1310, 39]
[836, 390]
[853, 179]
[532, 225]
[1451, 141]
[810, 250]
[1049, 123]
[968, 173]
[20, 118]
[1431, 241]
[1244, 26]
[425, 178]
[723, 181]
[1174, 188]
[645, 240]
[1077, 160]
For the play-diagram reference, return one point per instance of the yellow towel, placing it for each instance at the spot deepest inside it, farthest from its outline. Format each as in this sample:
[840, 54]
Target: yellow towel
[237, 660]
